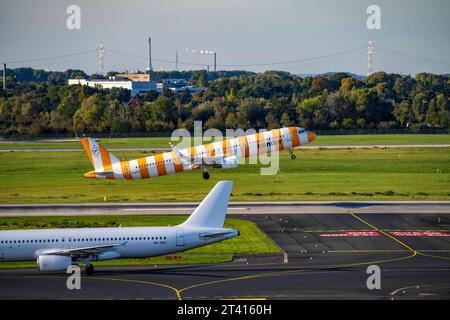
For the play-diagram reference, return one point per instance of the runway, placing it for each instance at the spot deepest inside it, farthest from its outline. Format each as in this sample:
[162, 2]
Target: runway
[234, 208]
[325, 256]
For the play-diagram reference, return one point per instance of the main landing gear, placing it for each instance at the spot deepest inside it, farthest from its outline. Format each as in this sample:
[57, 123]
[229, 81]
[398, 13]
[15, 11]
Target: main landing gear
[89, 270]
[205, 175]
[293, 157]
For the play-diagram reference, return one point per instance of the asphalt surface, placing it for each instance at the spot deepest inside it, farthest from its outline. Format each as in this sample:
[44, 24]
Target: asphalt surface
[244, 208]
[168, 149]
[325, 257]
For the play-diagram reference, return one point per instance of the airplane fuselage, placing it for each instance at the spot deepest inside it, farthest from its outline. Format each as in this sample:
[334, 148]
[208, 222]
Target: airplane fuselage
[58, 249]
[226, 153]
[136, 242]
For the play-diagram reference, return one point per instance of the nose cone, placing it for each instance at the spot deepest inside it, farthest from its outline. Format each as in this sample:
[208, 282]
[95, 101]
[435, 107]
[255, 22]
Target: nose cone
[311, 136]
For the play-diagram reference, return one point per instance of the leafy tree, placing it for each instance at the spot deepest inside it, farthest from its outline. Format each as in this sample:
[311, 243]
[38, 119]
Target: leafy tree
[349, 83]
[40, 102]
[272, 122]
[231, 121]
[162, 109]
[403, 113]
[286, 120]
[253, 111]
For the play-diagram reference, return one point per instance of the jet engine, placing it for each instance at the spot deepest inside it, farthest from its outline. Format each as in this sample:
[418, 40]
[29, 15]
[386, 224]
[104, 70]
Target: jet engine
[228, 163]
[53, 262]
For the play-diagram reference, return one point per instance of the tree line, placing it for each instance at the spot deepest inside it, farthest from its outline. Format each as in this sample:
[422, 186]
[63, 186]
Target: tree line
[232, 99]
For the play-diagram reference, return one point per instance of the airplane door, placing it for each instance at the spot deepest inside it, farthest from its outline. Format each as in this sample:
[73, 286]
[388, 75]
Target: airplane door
[180, 238]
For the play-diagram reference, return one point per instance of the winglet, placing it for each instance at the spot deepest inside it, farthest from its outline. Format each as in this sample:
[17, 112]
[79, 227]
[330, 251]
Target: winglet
[212, 210]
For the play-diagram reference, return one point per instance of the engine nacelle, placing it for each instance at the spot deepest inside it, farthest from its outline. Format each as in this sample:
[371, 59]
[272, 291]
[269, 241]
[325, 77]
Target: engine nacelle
[53, 262]
[228, 163]
[108, 255]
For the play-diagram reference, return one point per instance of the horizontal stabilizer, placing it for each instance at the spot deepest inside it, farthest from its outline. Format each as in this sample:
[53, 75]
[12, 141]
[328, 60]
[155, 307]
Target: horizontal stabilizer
[215, 235]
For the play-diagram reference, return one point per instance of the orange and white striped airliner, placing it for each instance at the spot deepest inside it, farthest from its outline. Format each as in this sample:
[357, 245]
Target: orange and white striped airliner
[223, 154]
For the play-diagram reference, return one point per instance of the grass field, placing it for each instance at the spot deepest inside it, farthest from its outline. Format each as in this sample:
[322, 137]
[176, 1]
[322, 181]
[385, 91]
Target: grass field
[251, 239]
[317, 174]
[320, 140]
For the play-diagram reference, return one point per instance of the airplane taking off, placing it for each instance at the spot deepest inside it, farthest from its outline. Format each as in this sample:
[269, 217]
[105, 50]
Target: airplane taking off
[57, 249]
[223, 154]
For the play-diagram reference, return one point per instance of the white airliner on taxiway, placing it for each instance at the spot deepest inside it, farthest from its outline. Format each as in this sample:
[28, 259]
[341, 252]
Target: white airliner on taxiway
[57, 249]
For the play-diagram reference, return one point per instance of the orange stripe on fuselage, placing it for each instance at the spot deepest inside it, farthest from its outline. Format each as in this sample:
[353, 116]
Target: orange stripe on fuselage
[243, 145]
[226, 147]
[160, 165]
[176, 162]
[295, 137]
[262, 147]
[143, 168]
[125, 165]
[276, 134]
[210, 151]
[193, 152]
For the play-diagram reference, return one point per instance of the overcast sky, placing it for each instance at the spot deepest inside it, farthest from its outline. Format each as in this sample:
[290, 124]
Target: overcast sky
[240, 31]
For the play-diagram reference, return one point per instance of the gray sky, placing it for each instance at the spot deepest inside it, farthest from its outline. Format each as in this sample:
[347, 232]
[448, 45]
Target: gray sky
[240, 31]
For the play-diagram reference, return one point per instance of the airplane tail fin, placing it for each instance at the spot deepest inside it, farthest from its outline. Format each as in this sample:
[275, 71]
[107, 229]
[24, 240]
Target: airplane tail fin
[211, 211]
[101, 159]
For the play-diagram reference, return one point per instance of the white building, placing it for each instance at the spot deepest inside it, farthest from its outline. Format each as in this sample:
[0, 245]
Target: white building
[134, 86]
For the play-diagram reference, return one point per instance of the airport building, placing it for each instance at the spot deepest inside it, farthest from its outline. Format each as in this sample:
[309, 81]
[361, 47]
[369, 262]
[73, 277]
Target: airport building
[137, 85]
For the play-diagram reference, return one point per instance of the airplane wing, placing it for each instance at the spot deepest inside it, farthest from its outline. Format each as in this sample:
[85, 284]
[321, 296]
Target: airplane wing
[104, 173]
[222, 161]
[80, 252]
[184, 159]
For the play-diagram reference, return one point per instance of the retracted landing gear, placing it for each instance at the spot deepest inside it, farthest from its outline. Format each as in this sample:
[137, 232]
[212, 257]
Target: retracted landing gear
[293, 157]
[205, 175]
[89, 270]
